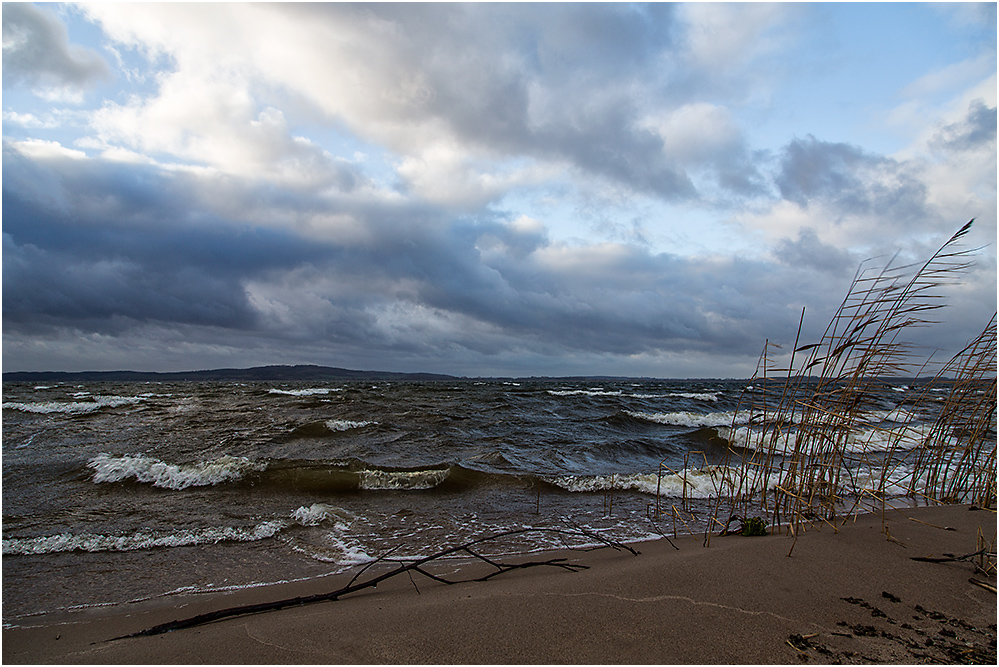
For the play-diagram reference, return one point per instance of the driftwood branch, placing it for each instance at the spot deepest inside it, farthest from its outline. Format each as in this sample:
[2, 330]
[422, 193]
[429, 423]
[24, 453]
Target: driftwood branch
[950, 558]
[403, 566]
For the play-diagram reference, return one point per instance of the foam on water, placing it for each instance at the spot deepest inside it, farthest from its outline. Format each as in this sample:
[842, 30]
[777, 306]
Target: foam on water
[319, 513]
[401, 481]
[149, 470]
[703, 482]
[317, 391]
[314, 515]
[140, 540]
[584, 392]
[346, 424]
[711, 397]
[74, 407]
[856, 442]
[686, 418]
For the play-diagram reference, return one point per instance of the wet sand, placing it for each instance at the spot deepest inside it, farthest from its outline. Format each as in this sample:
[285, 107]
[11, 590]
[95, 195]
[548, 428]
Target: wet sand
[850, 596]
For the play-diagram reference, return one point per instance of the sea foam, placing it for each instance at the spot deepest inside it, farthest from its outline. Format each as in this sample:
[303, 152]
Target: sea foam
[319, 391]
[140, 540]
[699, 482]
[401, 480]
[73, 407]
[149, 470]
[685, 418]
[346, 424]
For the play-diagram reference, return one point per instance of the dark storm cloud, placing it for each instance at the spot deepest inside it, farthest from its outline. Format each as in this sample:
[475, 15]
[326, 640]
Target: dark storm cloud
[92, 241]
[36, 50]
[849, 179]
[59, 289]
[105, 247]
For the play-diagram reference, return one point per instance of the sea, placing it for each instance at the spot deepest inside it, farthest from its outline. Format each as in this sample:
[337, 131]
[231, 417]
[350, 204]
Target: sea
[115, 492]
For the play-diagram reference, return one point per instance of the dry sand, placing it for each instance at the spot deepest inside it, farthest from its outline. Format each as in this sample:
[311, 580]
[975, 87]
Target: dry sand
[854, 596]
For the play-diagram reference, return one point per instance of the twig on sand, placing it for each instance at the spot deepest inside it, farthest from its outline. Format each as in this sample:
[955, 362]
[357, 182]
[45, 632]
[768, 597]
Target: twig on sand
[949, 558]
[403, 567]
[987, 586]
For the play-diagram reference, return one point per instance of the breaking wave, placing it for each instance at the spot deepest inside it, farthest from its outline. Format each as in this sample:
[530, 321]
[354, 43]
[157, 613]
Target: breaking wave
[314, 515]
[703, 482]
[402, 480]
[329, 427]
[140, 540]
[685, 418]
[149, 470]
[318, 391]
[711, 397]
[584, 392]
[74, 407]
[861, 441]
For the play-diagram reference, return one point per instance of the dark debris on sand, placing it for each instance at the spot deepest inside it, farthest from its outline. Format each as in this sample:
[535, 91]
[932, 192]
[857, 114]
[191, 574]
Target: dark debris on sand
[909, 635]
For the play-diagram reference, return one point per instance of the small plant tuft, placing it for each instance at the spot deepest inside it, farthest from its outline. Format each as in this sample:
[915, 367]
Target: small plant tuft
[754, 526]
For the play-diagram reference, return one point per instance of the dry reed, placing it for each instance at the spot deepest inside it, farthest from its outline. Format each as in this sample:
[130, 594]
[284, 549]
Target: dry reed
[808, 451]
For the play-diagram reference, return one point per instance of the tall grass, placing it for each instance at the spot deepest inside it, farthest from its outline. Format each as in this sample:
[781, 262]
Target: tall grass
[810, 452]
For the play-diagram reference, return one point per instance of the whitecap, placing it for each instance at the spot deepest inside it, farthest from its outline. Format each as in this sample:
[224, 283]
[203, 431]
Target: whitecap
[346, 424]
[705, 482]
[140, 540]
[401, 480]
[149, 470]
[319, 513]
[73, 407]
[318, 391]
[685, 418]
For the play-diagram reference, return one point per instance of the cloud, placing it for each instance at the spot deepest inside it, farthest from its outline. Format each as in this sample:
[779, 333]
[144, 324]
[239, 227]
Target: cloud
[848, 178]
[105, 247]
[37, 52]
[974, 132]
[102, 242]
[730, 35]
[810, 251]
[449, 88]
[467, 188]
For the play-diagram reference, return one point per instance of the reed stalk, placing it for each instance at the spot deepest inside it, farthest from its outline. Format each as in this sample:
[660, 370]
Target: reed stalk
[801, 457]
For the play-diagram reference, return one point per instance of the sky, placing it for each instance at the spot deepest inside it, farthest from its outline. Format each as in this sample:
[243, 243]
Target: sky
[482, 189]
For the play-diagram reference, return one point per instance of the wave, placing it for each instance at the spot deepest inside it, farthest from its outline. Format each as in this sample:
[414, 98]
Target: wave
[140, 540]
[319, 513]
[706, 482]
[685, 418]
[711, 397]
[315, 515]
[861, 441]
[317, 391]
[584, 392]
[303, 475]
[74, 407]
[149, 470]
[322, 429]
[372, 480]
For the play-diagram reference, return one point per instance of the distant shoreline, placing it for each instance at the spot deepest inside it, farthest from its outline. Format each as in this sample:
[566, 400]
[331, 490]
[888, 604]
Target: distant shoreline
[278, 373]
[309, 372]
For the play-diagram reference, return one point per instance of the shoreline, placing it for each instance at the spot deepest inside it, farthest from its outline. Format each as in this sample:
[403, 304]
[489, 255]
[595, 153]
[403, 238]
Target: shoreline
[855, 596]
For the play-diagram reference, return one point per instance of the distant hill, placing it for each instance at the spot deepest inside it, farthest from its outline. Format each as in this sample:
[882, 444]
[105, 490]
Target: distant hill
[258, 373]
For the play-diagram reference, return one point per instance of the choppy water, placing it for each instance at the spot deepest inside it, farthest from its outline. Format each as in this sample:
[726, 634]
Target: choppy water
[122, 491]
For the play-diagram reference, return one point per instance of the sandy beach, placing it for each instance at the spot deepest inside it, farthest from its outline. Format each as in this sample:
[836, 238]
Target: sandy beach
[852, 596]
